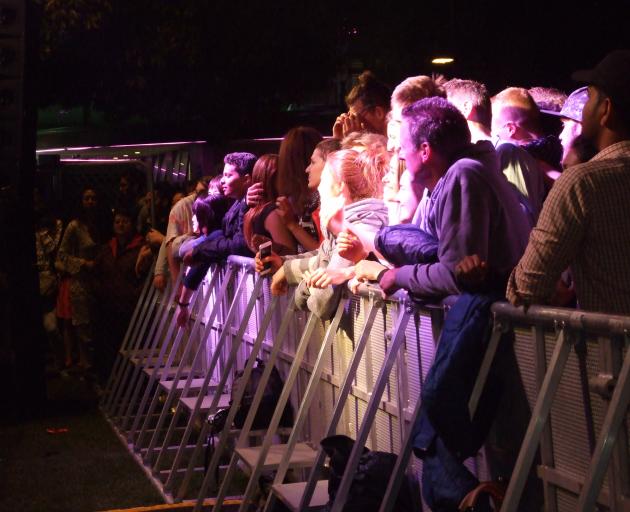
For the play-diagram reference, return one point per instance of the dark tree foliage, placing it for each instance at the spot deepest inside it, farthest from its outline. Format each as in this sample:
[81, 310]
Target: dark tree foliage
[220, 64]
[229, 66]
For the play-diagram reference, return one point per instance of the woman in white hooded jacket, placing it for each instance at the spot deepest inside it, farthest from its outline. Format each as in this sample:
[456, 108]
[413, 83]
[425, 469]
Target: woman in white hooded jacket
[351, 192]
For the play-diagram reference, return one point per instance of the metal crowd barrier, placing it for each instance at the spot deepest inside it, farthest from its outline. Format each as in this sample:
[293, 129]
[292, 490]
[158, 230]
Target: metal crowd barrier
[361, 374]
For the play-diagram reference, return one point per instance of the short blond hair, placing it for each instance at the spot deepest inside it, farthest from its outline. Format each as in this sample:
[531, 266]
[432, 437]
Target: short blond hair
[518, 105]
[416, 88]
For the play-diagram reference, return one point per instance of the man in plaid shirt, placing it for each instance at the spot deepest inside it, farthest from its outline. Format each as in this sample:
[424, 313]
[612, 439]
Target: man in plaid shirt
[585, 221]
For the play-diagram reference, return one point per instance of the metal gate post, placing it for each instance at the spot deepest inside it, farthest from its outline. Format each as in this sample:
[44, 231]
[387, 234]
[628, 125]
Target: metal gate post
[225, 374]
[223, 437]
[372, 408]
[210, 322]
[617, 410]
[344, 391]
[163, 374]
[536, 425]
[116, 372]
[284, 397]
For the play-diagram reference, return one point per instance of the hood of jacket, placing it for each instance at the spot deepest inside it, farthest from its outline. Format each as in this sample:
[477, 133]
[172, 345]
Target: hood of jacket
[482, 151]
[371, 211]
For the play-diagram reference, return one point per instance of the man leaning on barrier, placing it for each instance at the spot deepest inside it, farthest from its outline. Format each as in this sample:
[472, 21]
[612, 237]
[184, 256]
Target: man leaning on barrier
[585, 221]
[472, 208]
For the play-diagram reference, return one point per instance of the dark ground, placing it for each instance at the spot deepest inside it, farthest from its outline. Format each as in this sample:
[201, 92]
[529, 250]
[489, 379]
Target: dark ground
[86, 468]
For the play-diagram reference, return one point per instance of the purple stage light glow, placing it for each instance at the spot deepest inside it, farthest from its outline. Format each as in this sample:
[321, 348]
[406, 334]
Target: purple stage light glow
[146, 144]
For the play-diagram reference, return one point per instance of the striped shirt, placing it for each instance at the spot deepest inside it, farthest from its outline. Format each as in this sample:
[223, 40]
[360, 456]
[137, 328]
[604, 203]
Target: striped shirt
[584, 224]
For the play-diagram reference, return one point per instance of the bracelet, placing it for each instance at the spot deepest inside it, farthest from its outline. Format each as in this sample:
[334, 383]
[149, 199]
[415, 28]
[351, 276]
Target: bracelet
[381, 274]
[183, 304]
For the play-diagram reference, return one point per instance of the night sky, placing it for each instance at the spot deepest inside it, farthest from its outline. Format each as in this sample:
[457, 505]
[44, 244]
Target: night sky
[230, 68]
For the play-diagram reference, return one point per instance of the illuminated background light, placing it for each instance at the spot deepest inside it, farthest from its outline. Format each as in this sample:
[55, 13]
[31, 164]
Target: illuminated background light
[442, 60]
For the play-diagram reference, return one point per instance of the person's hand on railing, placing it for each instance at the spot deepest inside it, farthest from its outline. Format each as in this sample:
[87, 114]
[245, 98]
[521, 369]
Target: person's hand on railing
[368, 270]
[187, 259]
[279, 285]
[564, 295]
[154, 238]
[255, 195]
[274, 260]
[324, 277]
[350, 247]
[182, 316]
[471, 272]
[159, 282]
[143, 261]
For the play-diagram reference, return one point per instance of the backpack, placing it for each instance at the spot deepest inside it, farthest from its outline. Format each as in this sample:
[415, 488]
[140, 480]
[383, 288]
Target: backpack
[370, 480]
[267, 406]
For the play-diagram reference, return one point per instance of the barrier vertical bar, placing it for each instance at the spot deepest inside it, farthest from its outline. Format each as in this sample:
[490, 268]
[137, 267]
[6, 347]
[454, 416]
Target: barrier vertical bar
[149, 360]
[164, 373]
[204, 387]
[344, 391]
[546, 441]
[309, 394]
[171, 429]
[137, 338]
[124, 346]
[402, 460]
[152, 340]
[396, 479]
[159, 370]
[540, 414]
[225, 373]
[249, 421]
[617, 410]
[284, 398]
[216, 456]
[209, 372]
[372, 408]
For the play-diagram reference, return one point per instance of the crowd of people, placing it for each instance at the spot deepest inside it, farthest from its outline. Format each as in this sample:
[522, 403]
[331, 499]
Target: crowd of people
[439, 189]
[521, 192]
[435, 187]
[92, 268]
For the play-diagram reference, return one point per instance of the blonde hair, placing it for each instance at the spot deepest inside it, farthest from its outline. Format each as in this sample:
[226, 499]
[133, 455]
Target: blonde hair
[362, 140]
[361, 171]
[416, 88]
[518, 105]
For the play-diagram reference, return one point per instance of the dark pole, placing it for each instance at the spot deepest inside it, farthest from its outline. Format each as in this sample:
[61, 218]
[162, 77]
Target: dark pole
[22, 338]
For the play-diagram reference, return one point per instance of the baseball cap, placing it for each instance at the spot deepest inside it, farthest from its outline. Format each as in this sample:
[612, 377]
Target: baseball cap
[573, 105]
[612, 75]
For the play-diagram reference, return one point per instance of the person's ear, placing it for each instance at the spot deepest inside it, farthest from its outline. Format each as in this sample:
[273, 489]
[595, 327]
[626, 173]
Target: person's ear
[467, 108]
[607, 112]
[380, 113]
[425, 152]
[247, 180]
[511, 128]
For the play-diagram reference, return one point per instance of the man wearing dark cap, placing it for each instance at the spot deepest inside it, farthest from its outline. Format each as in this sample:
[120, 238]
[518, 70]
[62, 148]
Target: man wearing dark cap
[585, 221]
[571, 117]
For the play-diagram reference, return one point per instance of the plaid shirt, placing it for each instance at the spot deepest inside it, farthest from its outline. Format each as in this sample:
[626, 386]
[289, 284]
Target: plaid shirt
[584, 223]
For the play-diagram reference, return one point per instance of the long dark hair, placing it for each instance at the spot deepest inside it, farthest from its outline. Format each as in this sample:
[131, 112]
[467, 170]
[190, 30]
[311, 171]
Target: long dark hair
[98, 223]
[294, 156]
[265, 172]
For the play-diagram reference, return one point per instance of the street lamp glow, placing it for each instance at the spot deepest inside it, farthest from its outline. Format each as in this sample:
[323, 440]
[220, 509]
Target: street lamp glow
[442, 60]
